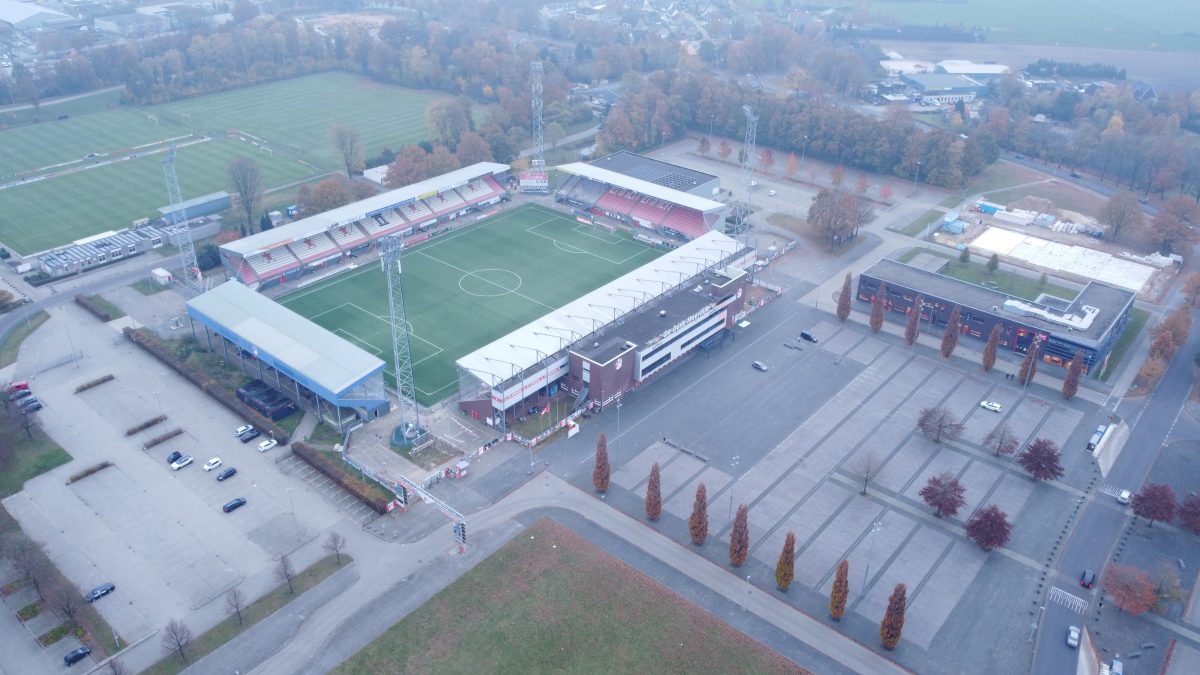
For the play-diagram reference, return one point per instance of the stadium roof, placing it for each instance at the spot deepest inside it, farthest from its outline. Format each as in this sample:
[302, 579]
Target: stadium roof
[19, 14]
[960, 67]
[306, 227]
[645, 187]
[326, 359]
[525, 347]
[652, 170]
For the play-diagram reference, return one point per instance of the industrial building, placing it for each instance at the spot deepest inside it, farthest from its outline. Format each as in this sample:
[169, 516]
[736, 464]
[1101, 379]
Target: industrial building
[99, 250]
[1090, 323]
[943, 88]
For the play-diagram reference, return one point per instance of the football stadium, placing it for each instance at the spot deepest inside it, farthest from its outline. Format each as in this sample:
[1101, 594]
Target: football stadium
[579, 297]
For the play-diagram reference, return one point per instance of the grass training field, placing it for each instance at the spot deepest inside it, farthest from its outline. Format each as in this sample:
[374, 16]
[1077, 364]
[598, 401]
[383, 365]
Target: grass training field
[549, 601]
[52, 196]
[295, 115]
[468, 288]
[1123, 24]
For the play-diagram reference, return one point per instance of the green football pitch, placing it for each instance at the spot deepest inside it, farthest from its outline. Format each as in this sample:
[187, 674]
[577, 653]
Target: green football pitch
[52, 196]
[472, 287]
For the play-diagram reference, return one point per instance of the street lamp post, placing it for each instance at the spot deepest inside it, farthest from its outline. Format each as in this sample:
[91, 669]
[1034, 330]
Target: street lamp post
[875, 528]
[803, 149]
[617, 440]
[1034, 626]
[916, 177]
[292, 503]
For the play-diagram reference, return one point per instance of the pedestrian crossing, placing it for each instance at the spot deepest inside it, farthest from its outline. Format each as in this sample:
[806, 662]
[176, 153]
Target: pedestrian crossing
[1072, 602]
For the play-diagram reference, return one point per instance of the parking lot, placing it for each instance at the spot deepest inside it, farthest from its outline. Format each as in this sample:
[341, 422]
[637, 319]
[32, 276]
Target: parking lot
[344, 501]
[159, 535]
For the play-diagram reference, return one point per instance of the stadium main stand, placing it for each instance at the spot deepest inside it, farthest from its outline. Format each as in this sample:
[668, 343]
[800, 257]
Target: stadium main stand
[284, 252]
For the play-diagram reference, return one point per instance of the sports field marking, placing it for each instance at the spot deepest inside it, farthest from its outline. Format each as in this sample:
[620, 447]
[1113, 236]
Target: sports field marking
[476, 275]
[456, 267]
[362, 344]
[557, 243]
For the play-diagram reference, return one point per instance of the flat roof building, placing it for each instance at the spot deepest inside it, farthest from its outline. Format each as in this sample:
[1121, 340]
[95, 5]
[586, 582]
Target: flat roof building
[945, 88]
[1089, 323]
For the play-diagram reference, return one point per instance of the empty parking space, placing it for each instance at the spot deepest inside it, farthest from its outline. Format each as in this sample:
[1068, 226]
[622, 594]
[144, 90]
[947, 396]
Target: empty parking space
[344, 501]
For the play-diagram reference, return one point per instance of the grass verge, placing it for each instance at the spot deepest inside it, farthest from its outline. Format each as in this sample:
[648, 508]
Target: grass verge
[952, 201]
[1006, 282]
[1137, 321]
[324, 436]
[147, 287]
[253, 613]
[572, 608]
[103, 303]
[12, 343]
[918, 226]
[31, 456]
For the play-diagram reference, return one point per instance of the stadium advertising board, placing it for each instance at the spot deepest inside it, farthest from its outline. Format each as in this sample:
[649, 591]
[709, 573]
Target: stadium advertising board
[427, 195]
[514, 394]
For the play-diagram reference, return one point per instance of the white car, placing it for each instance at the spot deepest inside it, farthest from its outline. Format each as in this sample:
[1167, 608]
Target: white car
[243, 429]
[212, 464]
[991, 405]
[181, 462]
[267, 445]
[1073, 637]
[1124, 496]
[770, 193]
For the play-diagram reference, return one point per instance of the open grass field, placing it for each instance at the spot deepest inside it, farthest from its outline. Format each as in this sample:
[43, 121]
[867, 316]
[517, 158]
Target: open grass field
[65, 198]
[1126, 24]
[471, 287]
[295, 115]
[42, 214]
[1062, 195]
[102, 99]
[549, 601]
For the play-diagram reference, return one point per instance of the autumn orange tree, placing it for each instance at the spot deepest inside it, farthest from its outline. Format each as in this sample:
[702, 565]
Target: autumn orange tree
[739, 538]
[893, 619]
[989, 350]
[913, 329]
[1130, 588]
[600, 474]
[698, 521]
[785, 569]
[1074, 372]
[654, 494]
[843, 306]
[840, 591]
[950, 336]
[877, 307]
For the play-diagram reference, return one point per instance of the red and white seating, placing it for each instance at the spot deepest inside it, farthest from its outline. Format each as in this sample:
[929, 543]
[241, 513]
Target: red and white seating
[347, 236]
[273, 262]
[688, 222]
[416, 211]
[445, 202]
[315, 247]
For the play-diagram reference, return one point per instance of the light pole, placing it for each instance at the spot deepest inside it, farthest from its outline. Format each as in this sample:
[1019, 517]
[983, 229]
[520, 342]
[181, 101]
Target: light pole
[916, 177]
[711, 119]
[875, 528]
[292, 503]
[803, 149]
[617, 440]
[158, 396]
[1034, 626]
[662, 142]
[732, 465]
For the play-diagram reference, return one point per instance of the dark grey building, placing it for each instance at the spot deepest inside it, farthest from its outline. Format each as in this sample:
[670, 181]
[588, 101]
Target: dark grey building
[1090, 323]
[661, 173]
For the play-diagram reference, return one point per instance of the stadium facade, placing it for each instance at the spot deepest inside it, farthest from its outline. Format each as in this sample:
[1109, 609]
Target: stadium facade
[615, 338]
[416, 211]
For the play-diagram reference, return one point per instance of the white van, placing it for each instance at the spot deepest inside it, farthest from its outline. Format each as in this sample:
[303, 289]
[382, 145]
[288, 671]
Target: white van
[759, 365]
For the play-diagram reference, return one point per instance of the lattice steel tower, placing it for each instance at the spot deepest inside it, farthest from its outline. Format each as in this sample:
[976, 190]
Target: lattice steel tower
[748, 158]
[187, 250]
[390, 248]
[539, 150]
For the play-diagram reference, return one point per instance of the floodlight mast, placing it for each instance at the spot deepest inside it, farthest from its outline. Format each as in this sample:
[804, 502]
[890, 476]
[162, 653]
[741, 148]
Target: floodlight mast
[183, 234]
[538, 160]
[391, 247]
[748, 158]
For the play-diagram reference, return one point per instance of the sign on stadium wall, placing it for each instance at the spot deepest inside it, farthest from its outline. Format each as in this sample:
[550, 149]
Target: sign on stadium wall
[517, 392]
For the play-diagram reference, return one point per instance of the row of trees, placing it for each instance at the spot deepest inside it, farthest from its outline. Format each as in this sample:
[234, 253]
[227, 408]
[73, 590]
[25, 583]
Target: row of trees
[1041, 458]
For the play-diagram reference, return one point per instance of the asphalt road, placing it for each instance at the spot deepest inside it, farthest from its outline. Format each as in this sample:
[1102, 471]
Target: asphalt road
[1091, 543]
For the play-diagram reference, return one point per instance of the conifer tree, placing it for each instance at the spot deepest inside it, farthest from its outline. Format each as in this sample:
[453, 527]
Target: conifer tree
[654, 494]
[698, 521]
[877, 307]
[843, 306]
[739, 539]
[785, 569]
[989, 350]
[840, 591]
[950, 336]
[893, 619]
[913, 329]
[600, 474]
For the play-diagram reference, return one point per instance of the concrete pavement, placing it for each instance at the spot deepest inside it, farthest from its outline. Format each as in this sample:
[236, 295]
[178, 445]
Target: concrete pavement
[380, 573]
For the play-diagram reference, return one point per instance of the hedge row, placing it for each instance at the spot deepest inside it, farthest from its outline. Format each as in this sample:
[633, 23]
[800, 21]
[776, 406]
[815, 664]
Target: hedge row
[149, 342]
[93, 308]
[145, 425]
[88, 471]
[94, 383]
[161, 438]
[333, 471]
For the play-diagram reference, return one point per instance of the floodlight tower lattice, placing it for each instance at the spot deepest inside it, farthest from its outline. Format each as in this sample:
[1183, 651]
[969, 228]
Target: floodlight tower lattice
[183, 233]
[391, 246]
[748, 156]
[539, 145]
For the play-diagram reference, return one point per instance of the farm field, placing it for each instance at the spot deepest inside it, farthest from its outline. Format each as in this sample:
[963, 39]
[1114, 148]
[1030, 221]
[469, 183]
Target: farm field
[53, 196]
[294, 116]
[469, 288]
[41, 214]
[1087, 23]
[550, 601]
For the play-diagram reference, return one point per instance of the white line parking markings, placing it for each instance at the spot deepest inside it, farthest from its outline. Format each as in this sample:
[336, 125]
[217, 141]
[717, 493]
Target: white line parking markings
[1072, 602]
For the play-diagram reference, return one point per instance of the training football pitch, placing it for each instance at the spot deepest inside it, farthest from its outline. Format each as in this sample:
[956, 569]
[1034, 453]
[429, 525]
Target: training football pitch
[471, 287]
[53, 196]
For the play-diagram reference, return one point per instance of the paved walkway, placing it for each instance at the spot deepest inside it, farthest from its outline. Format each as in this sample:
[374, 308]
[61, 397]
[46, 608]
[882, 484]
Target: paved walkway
[324, 628]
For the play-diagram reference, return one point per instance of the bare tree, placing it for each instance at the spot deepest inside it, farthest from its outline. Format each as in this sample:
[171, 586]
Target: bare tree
[1001, 441]
[25, 555]
[235, 599]
[334, 543]
[176, 637]
[64, 599]
[285, 572]
[118, 667]
[349, 146]
[866, 467]
[939, 424]
[246, 178]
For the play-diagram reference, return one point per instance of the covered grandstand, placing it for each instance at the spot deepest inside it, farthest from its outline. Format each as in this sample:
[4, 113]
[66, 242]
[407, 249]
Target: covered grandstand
[661, 173]
[594, 191]
[286, 252]
[614, 338]
[297, 357]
